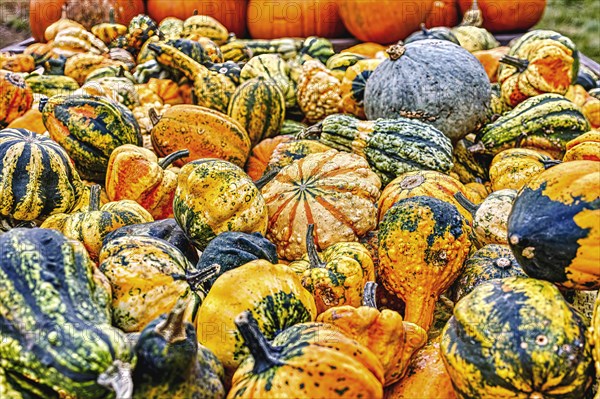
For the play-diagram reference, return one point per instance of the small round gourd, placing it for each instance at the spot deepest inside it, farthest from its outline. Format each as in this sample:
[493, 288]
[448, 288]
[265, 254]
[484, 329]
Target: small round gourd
[17, 97]
[435, 81]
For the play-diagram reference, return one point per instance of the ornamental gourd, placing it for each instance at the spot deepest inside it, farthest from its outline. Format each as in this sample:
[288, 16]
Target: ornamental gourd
[318, 93]
[89, 128]
[134, 173]
[16, 99]
[423, 243]
[91, 225]
[584, 148]
[352, 89]
[474, 38]
[258, 159]
[378, 331]
[490, 59]
[564, 249]
[505, 324]
[198, 26]
[170, 362]
[274, 295]
[402, 87]
[541, 61]
[148, 276]
[590, 105]
[334, 190]
[296, 356]
[271, 66]
[438, 33]
[109, 31]
[49, 284]
[339, 278]
[37, 178]
[514, 167]
[204, 132]
[286, 153]
[215, 196]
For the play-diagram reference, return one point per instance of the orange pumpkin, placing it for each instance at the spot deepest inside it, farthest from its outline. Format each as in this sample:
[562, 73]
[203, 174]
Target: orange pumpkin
[30, 120]
[490, 59]
[42, 13]
[260, 155]
[507, 15]
[231, 13]
[301, 18]
[385, 21]
[443, 13]
[370, 50]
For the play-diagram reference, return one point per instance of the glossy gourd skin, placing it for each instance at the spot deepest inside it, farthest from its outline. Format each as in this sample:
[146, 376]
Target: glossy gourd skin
[353, 86]
[232, 249]
[274, 295]
[425, 182]
[89, 128]
[51, 184]
[391, 146]
[336, 277]
[134, 173]
[90, 226]
[260, 155]
[378, 331]
[165, 229]
[17, 97]
[49, 283]
[467, 92]
[287, 152]
[298, 355]
[170, 362]
[564, 249]
[334, 190]
[339, 63]
[541, 61]
[514, 167]
[584, 148]
[545, 122]
[473, 38]
[493, 261]
[167, 276]
[490, 59]
[214, 196]
[273, 67]
[506, 324]
[423, 243]
[204, 132]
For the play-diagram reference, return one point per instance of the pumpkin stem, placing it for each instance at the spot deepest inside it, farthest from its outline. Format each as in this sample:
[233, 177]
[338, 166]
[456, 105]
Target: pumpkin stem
[195, 12]
[94, 197]
[154, 117]
[267, 177]
[118, 379]
[43, 102]
[173, 328]
[424, 29]
[550, 163]
[264, 354]
[473, 17]
[311, 132]
[369, 298]
[111, 15]
[466, 203]
[172, 157]
[197, 279]
[311, 248]
[518, 63]
[63, 11]
[396, 51]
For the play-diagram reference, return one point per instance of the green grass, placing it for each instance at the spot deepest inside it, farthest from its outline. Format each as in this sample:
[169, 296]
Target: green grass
[577, 19]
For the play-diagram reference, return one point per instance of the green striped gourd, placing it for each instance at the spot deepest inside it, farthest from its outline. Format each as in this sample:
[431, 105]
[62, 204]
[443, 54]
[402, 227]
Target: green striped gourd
[259, 106]
[287, 48]
[292, 127]
[37, 178]
[473, 38]
[545, 122]
[56, 339]
[236, 51]
[318, 48]
[51, 85]
[89, 128]
[517, 338]
[205, 26]
[353, 86]
[110, 71]
[391, 146]
[271, 66]
[339, 63]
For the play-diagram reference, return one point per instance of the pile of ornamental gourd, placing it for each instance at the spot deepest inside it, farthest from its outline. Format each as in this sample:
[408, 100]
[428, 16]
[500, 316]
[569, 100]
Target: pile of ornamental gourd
[185, 214]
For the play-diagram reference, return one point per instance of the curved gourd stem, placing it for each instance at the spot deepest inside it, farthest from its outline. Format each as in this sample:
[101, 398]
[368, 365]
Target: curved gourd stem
[111, 15]
[313, 131]
[94, 197]
[195, 12]
[473, 17]
[121, 72]
[197, 279]
[424, 29]
[466, 203]
[173, 328]
[518, 63]
[172, 157]
[369, 298]
[550, 163]
[477, 147]
[118, 379]
[311, 248]
[264, 354]
[155, 48]
[42, 104]
[63, 11]
[154, 117]
[396, 51]
[266, 178]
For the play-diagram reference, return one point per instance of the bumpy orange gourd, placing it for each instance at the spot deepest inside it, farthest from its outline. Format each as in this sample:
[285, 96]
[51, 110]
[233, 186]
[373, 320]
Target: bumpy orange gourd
[490, 59]
[514, 167]
[584, 147]
[134, 173]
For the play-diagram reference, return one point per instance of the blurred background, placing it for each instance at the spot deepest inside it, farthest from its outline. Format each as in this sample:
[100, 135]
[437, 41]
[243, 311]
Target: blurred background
[578, 19]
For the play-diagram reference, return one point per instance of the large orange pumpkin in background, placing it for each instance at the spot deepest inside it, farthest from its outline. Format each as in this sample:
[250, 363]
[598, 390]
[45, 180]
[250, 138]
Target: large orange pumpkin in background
[42, 13]
[442, 13]
[383, 21]
[231, 13]
[507, 15]
[268, 19]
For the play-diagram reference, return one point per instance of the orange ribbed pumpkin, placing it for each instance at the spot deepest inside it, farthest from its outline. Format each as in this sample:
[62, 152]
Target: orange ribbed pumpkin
[231, 13]
[42, 13]
[383, 21]
[269, 19]
[507, 15]
[443, 13]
